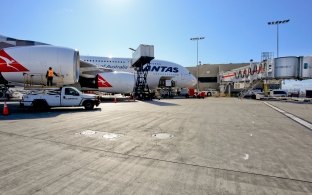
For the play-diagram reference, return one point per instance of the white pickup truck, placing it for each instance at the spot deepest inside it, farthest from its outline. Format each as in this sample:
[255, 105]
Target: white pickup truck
[41, 100]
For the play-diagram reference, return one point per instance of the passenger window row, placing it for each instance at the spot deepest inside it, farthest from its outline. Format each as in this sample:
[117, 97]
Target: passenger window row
[154, 63]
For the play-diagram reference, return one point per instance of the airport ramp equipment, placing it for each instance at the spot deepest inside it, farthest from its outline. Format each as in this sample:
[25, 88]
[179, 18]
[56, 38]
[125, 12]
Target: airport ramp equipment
[290, 67]
[141, 59]
[144, 54]
[270, 71]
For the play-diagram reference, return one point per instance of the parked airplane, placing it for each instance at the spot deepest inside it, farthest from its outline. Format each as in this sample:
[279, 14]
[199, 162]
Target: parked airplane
[29, 64]
[113, 75]
[158, 72]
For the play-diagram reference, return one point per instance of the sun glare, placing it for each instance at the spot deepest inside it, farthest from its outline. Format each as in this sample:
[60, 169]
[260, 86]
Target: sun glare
[114, 3]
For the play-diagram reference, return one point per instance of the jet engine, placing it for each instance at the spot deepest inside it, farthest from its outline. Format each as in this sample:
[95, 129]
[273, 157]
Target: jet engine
[30, 64]
[116, 82]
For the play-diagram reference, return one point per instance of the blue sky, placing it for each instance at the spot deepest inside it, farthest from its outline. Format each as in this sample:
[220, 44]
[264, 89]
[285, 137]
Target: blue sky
[234, 30]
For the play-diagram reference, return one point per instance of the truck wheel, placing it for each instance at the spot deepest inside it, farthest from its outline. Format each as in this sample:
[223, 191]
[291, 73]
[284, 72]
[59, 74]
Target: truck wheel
[89, 105]
[40, 105]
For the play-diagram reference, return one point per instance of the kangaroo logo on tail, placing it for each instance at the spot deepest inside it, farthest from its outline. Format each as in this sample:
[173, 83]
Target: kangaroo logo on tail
[102, 82]
[8, 64]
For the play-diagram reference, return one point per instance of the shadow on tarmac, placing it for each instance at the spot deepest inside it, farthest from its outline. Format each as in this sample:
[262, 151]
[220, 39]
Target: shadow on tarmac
[159, 103]
[18, 113]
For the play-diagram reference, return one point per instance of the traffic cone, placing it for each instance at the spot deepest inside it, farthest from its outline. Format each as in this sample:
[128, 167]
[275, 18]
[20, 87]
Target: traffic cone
[5, 109]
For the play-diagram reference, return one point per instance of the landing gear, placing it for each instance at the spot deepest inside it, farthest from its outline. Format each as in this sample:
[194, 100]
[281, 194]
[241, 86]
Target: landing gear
[4, 95]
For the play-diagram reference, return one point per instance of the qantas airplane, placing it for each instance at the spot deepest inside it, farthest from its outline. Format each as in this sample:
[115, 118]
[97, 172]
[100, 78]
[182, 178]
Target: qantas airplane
[19, 58]
[158, 71]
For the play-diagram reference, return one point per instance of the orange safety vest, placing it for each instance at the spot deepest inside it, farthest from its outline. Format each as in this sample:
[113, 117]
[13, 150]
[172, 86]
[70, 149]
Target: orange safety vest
[50, 73]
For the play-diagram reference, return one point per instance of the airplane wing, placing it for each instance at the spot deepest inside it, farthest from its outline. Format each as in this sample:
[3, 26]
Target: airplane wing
[12, 42]
[89, 70]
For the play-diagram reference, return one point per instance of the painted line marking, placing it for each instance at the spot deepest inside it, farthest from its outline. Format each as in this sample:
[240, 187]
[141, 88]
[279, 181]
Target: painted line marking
[291, 116]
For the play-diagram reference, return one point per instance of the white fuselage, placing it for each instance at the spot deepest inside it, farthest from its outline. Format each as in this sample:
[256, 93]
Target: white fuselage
[159, 70]
[29, 64]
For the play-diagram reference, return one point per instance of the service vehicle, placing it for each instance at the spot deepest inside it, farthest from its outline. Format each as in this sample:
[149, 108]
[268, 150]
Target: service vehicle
[44, 99]
[278, 93]
[259, 96]
[251, 93]
[192, 93]
[210, 92]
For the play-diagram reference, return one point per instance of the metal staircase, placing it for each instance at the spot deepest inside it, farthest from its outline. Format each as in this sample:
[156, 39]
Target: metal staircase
[250, 88]
[141, 89]
[141, 57]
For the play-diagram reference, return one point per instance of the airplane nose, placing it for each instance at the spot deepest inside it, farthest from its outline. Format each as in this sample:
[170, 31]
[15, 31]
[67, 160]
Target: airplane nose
[193, 81]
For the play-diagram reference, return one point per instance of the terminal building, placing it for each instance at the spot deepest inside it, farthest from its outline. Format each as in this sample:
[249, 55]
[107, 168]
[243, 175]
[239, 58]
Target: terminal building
[209, 77]
[239, 78]
[208, 74]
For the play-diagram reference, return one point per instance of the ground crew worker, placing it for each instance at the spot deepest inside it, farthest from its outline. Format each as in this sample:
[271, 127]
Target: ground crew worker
[50, 74]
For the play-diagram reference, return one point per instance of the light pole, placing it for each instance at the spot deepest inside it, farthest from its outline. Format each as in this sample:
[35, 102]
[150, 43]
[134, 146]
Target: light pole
[197, 39]
[277, 23]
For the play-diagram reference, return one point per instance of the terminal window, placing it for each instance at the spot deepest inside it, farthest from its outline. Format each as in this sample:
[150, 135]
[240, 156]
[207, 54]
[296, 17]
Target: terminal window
[207, 79]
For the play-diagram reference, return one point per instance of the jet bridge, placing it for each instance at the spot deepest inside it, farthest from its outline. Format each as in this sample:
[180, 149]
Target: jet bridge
[141, 59]
[268, 70]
